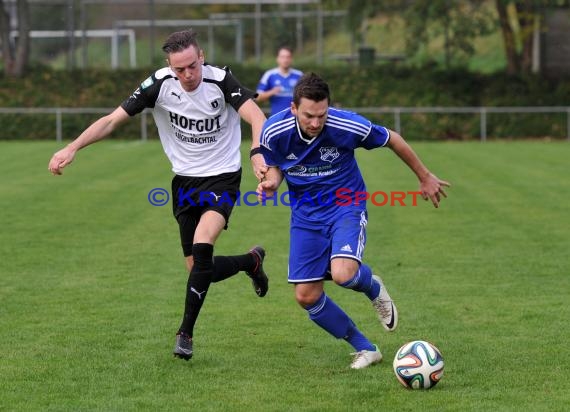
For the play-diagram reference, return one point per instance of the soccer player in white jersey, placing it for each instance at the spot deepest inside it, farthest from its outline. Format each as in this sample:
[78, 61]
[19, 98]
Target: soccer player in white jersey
[197, 109]
[312, 146]
[277, 84]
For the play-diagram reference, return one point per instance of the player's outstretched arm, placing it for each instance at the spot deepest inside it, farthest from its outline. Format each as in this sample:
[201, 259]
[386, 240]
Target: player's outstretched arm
[252, 114]
[264, 96]
[270, 183]
[96, 131]
[431, 186]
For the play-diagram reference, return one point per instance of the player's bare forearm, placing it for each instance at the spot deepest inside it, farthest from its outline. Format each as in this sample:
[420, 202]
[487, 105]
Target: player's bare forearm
[252, 114]
[100, 129]
[264, 96]
[96, 131]
[431, 186]
[407, 154]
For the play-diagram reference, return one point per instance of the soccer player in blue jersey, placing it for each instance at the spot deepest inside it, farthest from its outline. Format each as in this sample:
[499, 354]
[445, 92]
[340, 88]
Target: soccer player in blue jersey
[277, 84]
[312, 146]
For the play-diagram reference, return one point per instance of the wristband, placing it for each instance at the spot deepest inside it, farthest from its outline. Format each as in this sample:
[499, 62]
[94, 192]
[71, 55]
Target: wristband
[254, 151]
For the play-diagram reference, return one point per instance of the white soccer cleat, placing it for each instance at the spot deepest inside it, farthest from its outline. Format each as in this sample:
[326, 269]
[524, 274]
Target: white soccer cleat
[365, 358]
[385, 308]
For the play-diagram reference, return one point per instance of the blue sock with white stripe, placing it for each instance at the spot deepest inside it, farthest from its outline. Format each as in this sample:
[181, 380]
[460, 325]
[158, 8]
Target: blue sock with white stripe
[329, 316]
[325, 313]
[363, 282]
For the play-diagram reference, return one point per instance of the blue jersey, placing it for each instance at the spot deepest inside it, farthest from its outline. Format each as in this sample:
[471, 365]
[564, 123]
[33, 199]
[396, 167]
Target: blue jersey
[322, 172]
[272, 78]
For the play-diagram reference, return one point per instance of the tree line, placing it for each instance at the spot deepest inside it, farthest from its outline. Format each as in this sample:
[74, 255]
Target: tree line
[459, 22]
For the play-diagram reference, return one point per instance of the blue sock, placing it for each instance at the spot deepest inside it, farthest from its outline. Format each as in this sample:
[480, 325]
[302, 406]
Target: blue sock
[358, 340]
[363, 282]
[325, 313]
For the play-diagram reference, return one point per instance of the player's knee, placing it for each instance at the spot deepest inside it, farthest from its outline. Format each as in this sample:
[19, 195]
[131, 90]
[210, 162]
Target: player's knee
[343, 275]
[202, 254]
[307, 298]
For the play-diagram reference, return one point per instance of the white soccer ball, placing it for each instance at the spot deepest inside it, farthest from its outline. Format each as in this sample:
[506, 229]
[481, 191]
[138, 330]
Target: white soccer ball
[418, 365]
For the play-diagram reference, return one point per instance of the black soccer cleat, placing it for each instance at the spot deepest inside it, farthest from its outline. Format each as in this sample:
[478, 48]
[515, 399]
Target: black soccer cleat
[183, 346]
[258, 276]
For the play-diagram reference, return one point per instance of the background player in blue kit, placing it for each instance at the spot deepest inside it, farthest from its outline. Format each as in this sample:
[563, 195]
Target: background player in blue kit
[277, 84]
[312, 147]
[197, 109]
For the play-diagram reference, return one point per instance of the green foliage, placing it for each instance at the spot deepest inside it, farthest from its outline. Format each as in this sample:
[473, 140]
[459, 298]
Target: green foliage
[457, 23]
[76, 89]
[375, 86]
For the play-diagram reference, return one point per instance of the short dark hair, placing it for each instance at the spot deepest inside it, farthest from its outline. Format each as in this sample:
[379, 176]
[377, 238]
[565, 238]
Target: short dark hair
[181, 40]
[311, 86]
[285, 47]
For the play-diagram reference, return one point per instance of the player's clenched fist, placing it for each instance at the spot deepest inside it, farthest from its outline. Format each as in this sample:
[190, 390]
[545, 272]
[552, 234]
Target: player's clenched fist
[270, 183]
[61, 159]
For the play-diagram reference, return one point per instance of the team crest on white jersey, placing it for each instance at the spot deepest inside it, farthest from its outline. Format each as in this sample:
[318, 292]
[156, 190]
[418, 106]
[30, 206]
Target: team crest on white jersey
[328, 154]
[215, 104]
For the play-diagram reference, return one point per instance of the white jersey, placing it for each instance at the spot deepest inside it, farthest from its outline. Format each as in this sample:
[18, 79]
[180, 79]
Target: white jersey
[199, 130]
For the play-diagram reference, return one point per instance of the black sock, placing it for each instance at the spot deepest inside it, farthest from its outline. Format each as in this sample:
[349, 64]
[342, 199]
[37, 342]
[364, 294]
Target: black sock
[198, 283]
[227, 266]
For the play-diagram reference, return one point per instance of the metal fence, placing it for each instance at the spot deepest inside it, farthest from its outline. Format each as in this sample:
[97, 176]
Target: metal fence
[482, 112]
[396, 112]
[254, 27]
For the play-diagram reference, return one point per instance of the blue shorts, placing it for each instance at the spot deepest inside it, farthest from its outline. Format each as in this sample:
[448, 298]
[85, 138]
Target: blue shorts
[311, 249]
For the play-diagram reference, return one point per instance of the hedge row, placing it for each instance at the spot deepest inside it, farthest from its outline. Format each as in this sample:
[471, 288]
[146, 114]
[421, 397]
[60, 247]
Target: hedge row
[379, 86]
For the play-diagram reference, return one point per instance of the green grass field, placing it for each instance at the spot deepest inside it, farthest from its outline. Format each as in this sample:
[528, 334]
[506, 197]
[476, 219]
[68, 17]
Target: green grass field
[92, 287]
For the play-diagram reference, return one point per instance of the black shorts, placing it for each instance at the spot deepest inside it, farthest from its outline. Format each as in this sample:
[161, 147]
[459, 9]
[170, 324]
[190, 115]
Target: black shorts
[193, 196]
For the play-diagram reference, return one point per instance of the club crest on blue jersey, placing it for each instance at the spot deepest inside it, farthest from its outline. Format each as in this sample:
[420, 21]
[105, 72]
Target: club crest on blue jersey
[329, 154]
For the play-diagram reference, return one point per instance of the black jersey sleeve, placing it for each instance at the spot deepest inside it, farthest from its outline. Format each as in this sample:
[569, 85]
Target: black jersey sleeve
[235, 94]
[144, 96]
